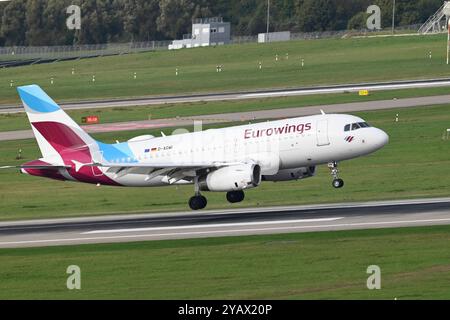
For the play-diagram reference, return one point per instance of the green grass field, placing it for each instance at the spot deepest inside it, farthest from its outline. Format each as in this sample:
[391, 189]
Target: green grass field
[412, 165]
[326, 62]
[19, 121]
[414, 262]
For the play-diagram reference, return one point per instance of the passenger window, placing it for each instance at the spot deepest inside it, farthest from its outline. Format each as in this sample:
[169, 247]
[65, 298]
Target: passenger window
[347, 128]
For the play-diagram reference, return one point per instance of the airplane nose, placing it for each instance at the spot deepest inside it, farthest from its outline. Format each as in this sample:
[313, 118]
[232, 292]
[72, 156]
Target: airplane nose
[381, 138]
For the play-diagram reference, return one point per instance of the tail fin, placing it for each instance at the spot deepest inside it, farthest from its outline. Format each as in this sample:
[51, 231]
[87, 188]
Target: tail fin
[54, 130]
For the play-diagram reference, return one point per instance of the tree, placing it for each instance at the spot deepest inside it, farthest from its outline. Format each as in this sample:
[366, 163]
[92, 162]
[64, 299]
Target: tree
[54, 21]
[317, 15]
[139, 20]
[13, 27]
[35, 33]
[358, 21]
[93, 28]
[43, 22]
[175, 17]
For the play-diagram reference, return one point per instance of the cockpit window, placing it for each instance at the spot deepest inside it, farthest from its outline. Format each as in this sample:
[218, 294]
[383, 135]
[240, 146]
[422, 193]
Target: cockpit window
[356, 126]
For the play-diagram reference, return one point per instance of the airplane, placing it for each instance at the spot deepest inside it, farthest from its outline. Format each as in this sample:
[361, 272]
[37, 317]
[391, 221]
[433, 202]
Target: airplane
[231, 160]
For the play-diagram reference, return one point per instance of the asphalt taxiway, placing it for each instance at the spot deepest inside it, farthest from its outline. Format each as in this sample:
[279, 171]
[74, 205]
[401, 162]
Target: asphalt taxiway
[232, 222]
[246, 117]
[241, 95]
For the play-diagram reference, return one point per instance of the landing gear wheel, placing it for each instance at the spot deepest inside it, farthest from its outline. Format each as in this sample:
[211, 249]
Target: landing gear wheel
[235, 196]
[334, 171]
[338, 183]
[197, 202]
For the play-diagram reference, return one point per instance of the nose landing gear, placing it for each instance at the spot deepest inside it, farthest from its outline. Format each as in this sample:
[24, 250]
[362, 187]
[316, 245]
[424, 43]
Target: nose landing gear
[337, 183]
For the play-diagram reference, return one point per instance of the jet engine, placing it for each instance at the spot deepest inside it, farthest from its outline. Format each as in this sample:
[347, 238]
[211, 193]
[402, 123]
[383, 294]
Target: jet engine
[291, 174]
[231, 178]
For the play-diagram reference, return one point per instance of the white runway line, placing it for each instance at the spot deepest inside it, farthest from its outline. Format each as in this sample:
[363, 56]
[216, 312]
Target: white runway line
[216, 225]
[217, 232]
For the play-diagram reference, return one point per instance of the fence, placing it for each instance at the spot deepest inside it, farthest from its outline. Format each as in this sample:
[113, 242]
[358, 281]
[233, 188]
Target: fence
[83, 51]
[79, 51]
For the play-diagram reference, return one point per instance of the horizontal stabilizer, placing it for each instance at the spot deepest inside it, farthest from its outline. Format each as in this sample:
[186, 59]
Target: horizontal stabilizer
[35, 167]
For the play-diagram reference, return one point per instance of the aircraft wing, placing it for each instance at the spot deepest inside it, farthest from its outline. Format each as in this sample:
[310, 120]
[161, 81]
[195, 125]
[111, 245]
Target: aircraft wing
[155, 165]
[174, 171]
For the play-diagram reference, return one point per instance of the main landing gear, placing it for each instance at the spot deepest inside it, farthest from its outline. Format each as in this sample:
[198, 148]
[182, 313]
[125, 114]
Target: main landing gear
[198, 201]
[235, 196]
[337, 183]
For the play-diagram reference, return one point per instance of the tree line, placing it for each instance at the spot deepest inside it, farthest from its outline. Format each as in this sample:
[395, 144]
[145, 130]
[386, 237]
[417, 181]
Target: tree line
[43, 22]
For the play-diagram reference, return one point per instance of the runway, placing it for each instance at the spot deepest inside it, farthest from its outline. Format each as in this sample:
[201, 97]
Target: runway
[245, 117]
[241, 95]
[219, 223]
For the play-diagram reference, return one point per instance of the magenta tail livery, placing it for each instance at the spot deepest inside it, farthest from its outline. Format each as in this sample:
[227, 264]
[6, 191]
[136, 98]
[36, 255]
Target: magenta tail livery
[227, 160]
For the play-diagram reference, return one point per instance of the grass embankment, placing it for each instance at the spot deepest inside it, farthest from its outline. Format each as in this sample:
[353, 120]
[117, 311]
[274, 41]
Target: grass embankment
[414, 262]
[329, 61]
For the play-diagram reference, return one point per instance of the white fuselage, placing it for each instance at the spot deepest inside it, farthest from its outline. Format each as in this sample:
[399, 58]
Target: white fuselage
[274, 145]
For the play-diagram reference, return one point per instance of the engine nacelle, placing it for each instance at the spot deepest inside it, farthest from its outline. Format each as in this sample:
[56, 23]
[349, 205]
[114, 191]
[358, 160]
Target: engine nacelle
[292, 174]
[231, 178]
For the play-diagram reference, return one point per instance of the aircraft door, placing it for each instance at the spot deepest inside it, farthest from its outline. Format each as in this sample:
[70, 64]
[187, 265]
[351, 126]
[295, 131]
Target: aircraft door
[322, 133]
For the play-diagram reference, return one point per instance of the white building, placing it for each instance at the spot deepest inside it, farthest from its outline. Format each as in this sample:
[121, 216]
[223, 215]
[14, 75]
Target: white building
[205, 32]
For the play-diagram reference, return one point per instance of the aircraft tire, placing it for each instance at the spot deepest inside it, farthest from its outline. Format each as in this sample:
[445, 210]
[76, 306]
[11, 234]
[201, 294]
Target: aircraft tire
[235, 196]
[197, 202]
[338, 183]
